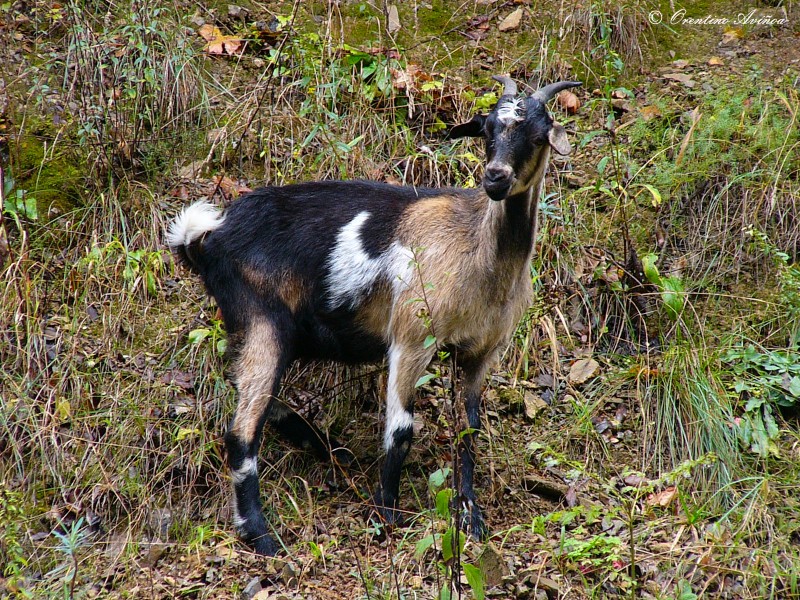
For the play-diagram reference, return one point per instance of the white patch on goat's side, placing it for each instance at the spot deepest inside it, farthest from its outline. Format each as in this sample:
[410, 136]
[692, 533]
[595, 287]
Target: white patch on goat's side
[397, 417]
[194, 221]
[249, 467]
[511, 111]
[352, 273]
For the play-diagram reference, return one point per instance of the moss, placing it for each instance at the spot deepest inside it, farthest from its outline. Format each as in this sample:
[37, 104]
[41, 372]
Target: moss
[52, 177]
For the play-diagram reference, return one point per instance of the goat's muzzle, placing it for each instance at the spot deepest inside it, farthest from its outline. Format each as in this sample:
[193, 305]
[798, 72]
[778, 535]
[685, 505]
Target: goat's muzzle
[497, 181]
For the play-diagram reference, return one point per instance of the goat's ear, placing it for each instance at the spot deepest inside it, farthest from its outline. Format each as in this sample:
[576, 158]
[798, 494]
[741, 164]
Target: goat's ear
[473, 128]
[557, 136]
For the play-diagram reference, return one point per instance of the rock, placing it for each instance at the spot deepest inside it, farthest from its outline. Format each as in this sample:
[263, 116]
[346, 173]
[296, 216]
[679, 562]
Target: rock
[392, 19]
[252, 588]
[237, 12]
[512, 21]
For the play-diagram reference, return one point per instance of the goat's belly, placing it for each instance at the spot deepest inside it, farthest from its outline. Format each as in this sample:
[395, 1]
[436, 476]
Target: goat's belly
[340, 337]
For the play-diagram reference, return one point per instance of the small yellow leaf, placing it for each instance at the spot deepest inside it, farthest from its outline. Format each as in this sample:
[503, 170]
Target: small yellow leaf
[63, 409]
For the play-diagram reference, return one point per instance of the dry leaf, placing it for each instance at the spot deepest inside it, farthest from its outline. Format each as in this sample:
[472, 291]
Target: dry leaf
[219, 43]
[680, 64]
[636, 480]
[392, 20]
[533, 404]
[681, 78]
[663, 498]
[583, 370]
[569, 102]
[512, 21]
[649, 112]
[478, 28]
[715, 61]
[230, 187]
[732, 36]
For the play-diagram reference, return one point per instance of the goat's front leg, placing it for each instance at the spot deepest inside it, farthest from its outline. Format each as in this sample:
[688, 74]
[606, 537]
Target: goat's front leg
[472, 516]
[406, 365]
[260, 363]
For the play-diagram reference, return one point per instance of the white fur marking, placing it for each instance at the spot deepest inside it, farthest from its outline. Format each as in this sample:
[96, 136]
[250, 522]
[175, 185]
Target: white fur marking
[194, 221]
[510, 111]
[397, 417]
[352, 273]
[249, 467]
[238, 520]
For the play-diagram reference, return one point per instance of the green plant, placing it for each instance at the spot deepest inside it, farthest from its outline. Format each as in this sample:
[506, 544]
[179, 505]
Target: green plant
[18, 203]
[451, 542]
[12, 554]
[140, 269]
[70, 541]
[764, 379]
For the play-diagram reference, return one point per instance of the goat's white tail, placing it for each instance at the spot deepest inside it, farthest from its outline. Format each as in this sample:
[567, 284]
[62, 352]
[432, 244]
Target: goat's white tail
[193, 222]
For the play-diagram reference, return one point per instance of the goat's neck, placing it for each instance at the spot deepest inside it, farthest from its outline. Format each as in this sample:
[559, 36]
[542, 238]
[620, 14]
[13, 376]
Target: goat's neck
[510, 227]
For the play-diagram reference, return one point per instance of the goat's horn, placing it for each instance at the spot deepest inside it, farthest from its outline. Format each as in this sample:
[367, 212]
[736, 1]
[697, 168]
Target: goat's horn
[509, 86]
[548, 92]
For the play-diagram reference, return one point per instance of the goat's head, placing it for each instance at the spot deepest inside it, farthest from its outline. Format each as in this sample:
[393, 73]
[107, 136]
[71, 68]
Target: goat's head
[518, 133]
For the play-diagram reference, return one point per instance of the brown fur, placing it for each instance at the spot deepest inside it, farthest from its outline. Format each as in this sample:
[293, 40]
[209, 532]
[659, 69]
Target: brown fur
[255, 371]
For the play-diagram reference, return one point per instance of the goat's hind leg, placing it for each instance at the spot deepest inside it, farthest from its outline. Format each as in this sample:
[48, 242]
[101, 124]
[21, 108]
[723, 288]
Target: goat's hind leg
[263, 356]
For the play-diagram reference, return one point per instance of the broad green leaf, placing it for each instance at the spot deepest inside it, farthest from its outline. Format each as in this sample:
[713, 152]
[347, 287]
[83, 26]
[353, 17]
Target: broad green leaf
[423, 545]
[475, 580]
[424, 379]
[198, 335]
[650, 269]
[794, 386]
[443, 498]
[429, 341]
[673, 296]
[448, 549]
[437, 479]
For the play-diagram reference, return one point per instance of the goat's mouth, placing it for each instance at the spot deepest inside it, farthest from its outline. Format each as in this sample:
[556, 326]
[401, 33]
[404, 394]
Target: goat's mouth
[498, 190]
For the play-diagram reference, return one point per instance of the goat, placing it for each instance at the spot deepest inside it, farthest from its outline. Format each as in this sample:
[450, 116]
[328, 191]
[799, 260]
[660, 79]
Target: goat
[331, 270]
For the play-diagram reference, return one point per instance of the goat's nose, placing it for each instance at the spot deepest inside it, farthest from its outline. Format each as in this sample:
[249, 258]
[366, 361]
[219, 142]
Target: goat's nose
[495, 173]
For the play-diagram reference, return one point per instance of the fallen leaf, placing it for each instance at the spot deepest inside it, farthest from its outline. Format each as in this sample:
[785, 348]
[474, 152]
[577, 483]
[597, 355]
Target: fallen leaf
[649, 112]
[392, 20]
[663, 498]
[715, 61]
[230, 187]
[635, 480]
[681, 78]
[731, 36]
[583, 370]
[569, 102]
[219, 43]
[512, 21]
[533, 405]
[477, 28]
[680, 64]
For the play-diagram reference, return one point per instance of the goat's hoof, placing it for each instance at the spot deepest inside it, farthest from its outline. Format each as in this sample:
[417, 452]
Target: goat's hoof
[472, 518]
[385, 509]
[264, 545]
